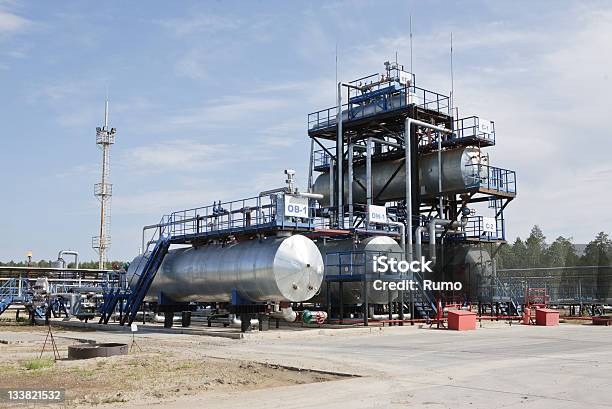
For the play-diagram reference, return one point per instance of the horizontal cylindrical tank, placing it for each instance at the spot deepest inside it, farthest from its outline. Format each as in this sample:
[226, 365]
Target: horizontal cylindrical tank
[273, 269]
[363, 262]
[459, 170]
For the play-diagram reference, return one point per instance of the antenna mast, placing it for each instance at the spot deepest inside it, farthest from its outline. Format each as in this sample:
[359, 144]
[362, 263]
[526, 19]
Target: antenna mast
[452, 95]
[103, 190]
[411, 71]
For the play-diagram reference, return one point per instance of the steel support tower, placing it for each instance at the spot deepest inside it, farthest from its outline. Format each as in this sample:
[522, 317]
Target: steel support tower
[103, 190]
[391, 143]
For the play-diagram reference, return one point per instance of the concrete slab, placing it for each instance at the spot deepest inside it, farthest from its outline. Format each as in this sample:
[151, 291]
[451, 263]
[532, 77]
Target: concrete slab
[567, 366]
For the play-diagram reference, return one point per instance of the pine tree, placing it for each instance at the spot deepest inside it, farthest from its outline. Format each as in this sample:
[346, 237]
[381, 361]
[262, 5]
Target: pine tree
[561, 253]
[536, 245]
[598, 251]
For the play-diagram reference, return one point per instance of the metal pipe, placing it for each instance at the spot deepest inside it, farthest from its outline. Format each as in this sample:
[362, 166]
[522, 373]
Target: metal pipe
[286, 314]
[383, 142]
[339, 157]
[418, 237]
[72, 253]
[433, 223]
[310, 168]
[407, 141]
[441, 209]
[350, 183]
[432, 241]
[332, 182]
[144, 229]
[234, 321]
[311, 195]
[402, 227]
[388, 316]
[368, 175]
[408, 169]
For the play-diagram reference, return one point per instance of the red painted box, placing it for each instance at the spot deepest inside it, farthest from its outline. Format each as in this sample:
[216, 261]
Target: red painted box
[460, 320]
[547, 317]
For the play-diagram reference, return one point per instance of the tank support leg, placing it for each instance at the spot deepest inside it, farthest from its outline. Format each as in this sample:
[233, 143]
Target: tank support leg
[328, 301]
[411, 307]
[390, 307]
[168, 319]
[401, 308]
[245, 322]
[366, 307]
[264, 323]
[341, 300]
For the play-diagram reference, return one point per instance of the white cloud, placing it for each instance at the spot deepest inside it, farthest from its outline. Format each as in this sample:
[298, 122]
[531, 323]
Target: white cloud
[193, 64]
[12, 24]
[199, 24]
[178, 154]
[235, 110]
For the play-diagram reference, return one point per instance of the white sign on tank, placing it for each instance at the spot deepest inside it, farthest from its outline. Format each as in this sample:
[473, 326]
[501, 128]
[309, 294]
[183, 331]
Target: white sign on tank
[377, 214]
[296, 206]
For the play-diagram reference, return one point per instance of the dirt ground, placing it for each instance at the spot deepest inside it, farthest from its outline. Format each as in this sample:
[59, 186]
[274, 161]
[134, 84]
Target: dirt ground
[163, 370]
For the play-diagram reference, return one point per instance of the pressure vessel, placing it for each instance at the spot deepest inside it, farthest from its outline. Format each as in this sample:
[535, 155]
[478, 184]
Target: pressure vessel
[274, 269]
[473, 267]
[460, 170]
[344, 257]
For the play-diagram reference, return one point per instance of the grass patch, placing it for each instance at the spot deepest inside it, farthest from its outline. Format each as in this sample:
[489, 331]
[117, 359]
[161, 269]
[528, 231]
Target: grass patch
[38, 363]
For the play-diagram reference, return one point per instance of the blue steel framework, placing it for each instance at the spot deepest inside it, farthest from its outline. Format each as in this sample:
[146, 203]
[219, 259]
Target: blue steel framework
[373, 118]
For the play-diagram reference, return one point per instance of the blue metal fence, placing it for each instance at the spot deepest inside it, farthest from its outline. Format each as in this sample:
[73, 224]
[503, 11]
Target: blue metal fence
[491, 178]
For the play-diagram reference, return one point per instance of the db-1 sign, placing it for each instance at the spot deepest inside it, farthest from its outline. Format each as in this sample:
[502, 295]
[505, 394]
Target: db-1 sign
[377, 214]
[296, 206]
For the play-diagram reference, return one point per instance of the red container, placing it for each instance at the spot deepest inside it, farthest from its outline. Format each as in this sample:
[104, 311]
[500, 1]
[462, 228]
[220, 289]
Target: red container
[460, 320]
[547, 317]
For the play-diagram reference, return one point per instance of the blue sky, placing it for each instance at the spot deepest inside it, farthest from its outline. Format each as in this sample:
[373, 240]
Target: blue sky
[210, 101]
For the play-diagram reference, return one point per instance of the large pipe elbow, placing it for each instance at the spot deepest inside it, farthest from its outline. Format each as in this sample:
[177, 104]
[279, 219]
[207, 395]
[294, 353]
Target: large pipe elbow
[286, 314]
[71, 253]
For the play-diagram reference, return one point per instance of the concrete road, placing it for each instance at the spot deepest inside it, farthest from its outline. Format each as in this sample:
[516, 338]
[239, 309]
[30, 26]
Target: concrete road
[498, 366]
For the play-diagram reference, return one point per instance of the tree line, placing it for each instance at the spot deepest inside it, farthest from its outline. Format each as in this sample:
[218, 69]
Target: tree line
[532, 252]
[535, 251]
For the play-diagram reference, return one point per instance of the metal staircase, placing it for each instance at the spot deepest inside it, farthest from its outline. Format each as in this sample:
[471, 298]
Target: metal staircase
[8, 292]
[131, 298]
[507, 293]
[111, 299]
[424, 301]
[142, 279]
[5, 302]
